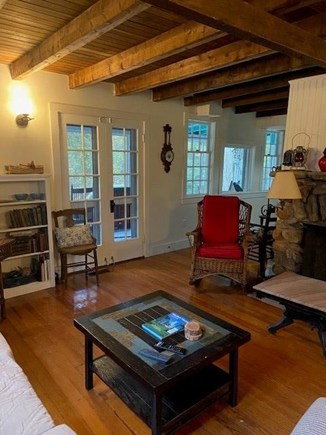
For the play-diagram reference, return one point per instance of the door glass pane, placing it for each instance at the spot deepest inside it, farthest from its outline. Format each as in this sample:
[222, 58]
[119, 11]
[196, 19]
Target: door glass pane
[125, 183]
[132, 207]
[83, 173]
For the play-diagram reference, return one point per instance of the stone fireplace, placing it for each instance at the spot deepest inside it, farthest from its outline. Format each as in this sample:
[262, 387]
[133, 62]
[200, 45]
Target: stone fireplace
[300, 234]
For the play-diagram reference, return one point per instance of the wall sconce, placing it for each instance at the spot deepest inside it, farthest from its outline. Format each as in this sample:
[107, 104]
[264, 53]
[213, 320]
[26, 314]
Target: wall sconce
[23, 119]
[20, 103]
[284, 186]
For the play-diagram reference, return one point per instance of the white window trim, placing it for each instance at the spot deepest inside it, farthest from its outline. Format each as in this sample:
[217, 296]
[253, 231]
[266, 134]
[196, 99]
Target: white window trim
[280, 147]
[193, 199]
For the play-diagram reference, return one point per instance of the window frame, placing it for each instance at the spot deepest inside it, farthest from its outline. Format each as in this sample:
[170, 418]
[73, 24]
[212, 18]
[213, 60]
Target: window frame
[248, 186]
[280, 132]
[210, 151]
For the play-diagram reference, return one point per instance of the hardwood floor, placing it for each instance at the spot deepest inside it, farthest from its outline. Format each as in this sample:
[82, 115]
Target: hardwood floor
[279, 375]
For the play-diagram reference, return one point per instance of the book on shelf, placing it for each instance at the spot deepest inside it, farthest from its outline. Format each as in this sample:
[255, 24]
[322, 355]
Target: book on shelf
[27, 217]
[165, 325]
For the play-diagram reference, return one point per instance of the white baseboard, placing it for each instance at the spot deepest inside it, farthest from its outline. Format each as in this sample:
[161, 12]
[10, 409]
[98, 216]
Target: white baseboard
[168, 247]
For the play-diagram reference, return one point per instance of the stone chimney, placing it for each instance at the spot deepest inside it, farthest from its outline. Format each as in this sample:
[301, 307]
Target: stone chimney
[289, 233]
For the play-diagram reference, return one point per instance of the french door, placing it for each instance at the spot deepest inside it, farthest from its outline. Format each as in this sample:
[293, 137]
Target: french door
[101, 172]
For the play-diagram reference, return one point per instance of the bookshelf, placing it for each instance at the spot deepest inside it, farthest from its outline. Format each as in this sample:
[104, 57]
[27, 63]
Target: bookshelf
[28, 221]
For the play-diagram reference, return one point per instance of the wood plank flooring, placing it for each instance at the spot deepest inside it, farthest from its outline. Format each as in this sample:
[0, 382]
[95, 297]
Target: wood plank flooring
[279, 375]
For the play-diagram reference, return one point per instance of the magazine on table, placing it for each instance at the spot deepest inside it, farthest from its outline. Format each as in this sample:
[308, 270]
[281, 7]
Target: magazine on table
[165, 325]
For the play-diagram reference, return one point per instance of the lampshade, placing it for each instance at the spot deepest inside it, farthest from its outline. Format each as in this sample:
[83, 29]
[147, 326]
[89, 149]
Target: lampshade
[284, 186]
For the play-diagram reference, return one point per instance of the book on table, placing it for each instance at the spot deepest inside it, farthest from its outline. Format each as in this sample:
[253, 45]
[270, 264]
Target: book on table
[165, 325]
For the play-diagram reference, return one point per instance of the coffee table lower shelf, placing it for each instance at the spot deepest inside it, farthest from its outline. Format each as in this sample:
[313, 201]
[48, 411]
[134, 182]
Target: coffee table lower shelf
[179, 404]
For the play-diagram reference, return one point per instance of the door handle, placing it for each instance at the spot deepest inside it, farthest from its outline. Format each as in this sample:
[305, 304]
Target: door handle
[112, 205]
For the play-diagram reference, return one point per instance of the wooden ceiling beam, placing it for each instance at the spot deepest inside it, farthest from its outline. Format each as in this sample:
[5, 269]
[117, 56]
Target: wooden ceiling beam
[250, 87]
[272, 112]
[201, 64]
[186, 36]
[266, 67]
[282, 6]
[252, 23]
[256, 98]
[217, 58]
[235, 91]
[98, 19]
[262, 107]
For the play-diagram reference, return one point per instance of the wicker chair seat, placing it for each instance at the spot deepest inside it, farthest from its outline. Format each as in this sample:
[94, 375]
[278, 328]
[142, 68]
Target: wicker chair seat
[231, 251]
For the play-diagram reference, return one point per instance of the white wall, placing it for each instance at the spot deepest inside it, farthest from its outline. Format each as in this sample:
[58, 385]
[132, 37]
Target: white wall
[306, 120]
[167, 218]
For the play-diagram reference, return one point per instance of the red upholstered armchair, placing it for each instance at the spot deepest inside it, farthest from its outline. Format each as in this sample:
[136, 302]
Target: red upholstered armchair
[220, 240]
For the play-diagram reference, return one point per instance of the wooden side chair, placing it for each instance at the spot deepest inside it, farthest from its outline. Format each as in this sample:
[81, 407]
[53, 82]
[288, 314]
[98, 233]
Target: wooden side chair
[220, 240]
[74, 240]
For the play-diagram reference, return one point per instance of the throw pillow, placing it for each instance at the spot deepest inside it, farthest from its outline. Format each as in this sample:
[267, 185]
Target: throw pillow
[73, 236]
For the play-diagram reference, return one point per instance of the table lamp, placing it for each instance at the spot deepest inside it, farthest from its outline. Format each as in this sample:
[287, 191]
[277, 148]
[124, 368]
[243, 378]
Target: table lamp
[284, 186]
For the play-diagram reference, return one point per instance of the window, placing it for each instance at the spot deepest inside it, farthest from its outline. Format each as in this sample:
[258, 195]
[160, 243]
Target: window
[198, 158]
[272, 155]
[236, 168]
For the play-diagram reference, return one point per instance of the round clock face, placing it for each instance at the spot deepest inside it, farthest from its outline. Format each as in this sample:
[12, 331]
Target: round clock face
[169, 156]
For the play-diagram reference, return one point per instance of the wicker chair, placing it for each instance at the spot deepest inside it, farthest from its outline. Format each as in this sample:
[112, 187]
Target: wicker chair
[220, 240]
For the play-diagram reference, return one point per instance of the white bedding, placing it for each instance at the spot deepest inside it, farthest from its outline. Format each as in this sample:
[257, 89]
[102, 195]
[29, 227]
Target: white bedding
[21, 411]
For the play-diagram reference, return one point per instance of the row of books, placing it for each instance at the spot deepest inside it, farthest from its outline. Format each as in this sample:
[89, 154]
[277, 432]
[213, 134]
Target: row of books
[27, 217]
[28, 242]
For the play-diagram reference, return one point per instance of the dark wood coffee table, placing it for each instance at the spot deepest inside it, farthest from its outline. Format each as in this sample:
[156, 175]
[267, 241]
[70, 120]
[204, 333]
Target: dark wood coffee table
[165, 396]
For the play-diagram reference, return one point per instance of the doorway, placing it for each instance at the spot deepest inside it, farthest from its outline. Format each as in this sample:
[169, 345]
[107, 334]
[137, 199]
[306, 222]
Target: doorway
[101, 170]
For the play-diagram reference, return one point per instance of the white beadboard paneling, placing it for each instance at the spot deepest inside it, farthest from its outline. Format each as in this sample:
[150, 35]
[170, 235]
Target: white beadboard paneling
[306, 113]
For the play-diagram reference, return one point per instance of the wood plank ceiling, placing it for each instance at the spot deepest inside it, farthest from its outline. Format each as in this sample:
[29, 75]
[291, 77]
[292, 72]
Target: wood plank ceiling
[242, 53]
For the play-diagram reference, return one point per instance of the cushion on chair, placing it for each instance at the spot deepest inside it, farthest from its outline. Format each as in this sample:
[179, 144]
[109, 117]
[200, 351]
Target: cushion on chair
[231, 251]
[220, 222]
[73, 236]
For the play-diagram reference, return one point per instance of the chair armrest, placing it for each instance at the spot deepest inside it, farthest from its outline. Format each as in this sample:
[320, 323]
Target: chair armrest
[194, 238]
[244, 241]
